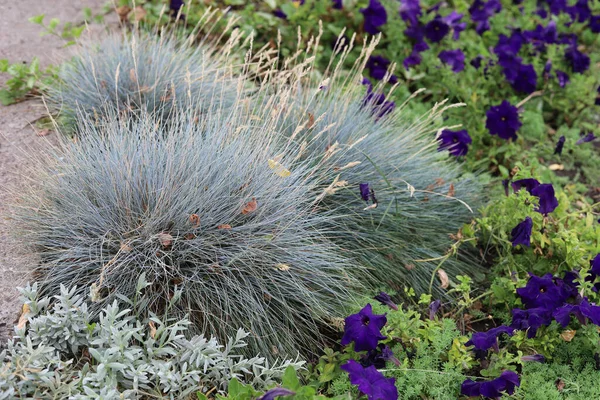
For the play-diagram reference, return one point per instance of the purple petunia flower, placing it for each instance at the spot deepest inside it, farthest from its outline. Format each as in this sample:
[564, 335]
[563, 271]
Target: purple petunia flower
[586, 139]
[476, 62]
[528, 183]
[364, 191]
[378, 67]
[276, 392]
[547, 69]
[378, 357]
[580, 62]
[364, 329]
[371, 382]
[481, 12]
[434, 308]
[535, 358]
[456, 142]
[337, 4]
[379, 105]
[559, 145]
[580, 11]
[503, 120]
[509, 45]
[597, 102]
[530, 320]
[505, 185]
[410, 11]
[375, 16]
[547, 200]
[483, 341]
[382, 297]
[506, 382]
[453, 21]
[413, 59]
[562, 78]
[595, 23]
[436, 29]
[279, 14]
[542, 292]
[454, 58]
[175, 5]
[525, 80]
[521, 234]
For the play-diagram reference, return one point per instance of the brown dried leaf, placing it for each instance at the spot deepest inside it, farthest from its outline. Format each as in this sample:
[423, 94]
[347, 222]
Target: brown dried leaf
[250, 207]
[132, 75]
[122, 12]
[443, 278]
[311, 120]
[439, 181]
[152, 329]
[189, 236]
[409, 267]
[560, 385]
[43, 132]
[451, 191]
[568, 335]
[165, 239]
[224, 226]
[23, 318]
[125, 247]
[139, 13]
[195, 220]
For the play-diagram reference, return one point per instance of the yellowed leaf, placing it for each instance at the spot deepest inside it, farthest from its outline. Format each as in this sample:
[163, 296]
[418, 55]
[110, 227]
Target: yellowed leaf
[283, 267]
[152, 329]
[279, 169]
[445, 281]
[23, 318]
[568, 335]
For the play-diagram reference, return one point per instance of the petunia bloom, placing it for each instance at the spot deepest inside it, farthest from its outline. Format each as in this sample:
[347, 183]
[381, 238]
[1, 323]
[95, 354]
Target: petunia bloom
[454, 58]
[506, 382]
[481, 12]
[383, 297]
[378, 357]
[503, 120]
[410, 11]
[579, 62]
[587, 138]
[337, 4]
[456, 142]
[371, 382]
[541, 292]
[276, 392]
[433, 308]
[530, 320]
[436, 29]
[375, 16]
[364, 329]
[562, 77]
[535, 358]
[453, 21]
[378, 67]
[559, 145]
[483, 341]
[547, 200]
[364, 191]
[521, 234]
[528, 184]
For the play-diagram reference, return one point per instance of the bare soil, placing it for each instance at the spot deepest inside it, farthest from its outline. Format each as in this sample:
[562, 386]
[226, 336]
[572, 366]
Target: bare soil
[20, 41]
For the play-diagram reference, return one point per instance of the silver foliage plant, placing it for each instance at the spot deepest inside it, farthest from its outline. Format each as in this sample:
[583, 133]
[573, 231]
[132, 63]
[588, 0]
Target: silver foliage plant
[196, 205]
[58, 353]
[141, 72]
[422, 195]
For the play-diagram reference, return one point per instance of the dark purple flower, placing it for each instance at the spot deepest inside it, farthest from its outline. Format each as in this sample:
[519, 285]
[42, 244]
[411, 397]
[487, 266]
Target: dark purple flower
[527, 183]
[436, 29]
[541, 36]
[483, 341]
[580, 62]
[378, 357]
[562, 315]
[503, 120]
[364, 329]
[535, 358]
[547, 200]
[587, 138]
[557, 6]
[476, 62]
[433, 308]
[364, 191]
[382, 297]
[505, 185]
[597, 102]
[506, 382]
[276, 392]
[453, 21]
[559, 145]
[595, 23]
[525, 80]
[175, 5]
[379, 105]
[594, 271]
[454, 58]
[413, 59]
[378, 67]
[410, 11]
[457, 142]
[375, 16]
[521, 234]
[580, 11]
[562, 78]
[509, 45]
[279, 14]
[542, 292]
[530, 320]
[547, 68]
[481, 12]
[337, 4]
[592, 313]
[371, 382]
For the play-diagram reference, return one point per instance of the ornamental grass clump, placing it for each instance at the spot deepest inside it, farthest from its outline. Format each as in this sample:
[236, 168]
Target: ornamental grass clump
[196, 205]
[399, 200]
[139, 72]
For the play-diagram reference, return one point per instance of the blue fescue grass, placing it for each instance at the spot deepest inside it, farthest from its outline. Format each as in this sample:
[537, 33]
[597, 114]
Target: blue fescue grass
[193, 205]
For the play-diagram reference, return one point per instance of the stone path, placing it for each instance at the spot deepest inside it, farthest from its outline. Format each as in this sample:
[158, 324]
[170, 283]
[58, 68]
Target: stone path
[20, 42]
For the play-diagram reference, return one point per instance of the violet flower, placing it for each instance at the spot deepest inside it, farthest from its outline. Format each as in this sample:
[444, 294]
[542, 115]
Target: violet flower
[559, 145]
[364, 191]
[364, 329]
[375, 16]
[547, 200]
[503, 120]
[579, 62]
[454, 58]
[378, 67]
[535, 358]
[541, 292]
[434, 308]
[337, 4]
[521, 234]
[456, 142]
[506, 382]
[483, 341]
[562, 78]
[410, 11]
[436, 29]
[530, 320]
[586, 139]
[371, 382]
[383, 297]
[276, 392]
[528, 183]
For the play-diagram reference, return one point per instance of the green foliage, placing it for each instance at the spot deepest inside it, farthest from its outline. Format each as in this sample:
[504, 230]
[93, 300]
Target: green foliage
[25, 79]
